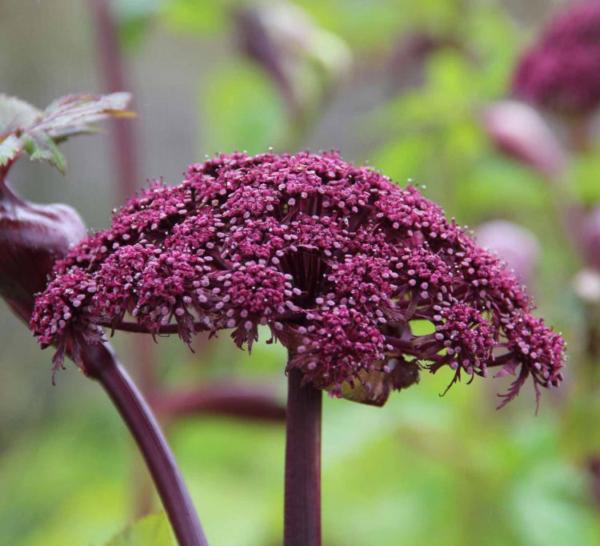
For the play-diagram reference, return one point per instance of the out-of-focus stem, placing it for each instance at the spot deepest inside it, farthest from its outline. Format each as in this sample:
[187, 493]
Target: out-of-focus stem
[578, 137]
[242, 402]
[100, 363]
[112, 73]
[124, 145]
[302, 514]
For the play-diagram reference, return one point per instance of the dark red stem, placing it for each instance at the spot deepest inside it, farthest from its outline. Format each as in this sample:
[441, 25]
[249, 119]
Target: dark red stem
[302, 518]
[242, 402]
[100, 364]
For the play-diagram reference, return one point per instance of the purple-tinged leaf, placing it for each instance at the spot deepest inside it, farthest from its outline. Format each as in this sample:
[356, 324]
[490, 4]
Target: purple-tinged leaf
[24, 128]
[76, 114]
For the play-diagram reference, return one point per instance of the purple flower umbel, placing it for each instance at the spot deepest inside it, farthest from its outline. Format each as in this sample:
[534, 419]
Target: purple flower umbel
[365, 283]
[561, 71]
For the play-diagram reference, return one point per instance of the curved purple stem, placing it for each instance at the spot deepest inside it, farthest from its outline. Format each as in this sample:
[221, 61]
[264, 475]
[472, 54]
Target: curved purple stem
[100, 363]
[302, 517]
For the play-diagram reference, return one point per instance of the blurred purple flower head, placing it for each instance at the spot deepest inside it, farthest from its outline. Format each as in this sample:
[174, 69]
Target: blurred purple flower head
[520, 132]
[513, 244]
[363, 282]
[561, 71]
[587, 286]
[32, 238]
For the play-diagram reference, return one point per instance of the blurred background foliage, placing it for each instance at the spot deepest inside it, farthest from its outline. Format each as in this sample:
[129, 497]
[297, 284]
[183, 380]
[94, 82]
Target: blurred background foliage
[400, 85]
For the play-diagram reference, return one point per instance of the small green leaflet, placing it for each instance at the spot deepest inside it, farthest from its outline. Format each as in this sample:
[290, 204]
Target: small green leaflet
[40, 146]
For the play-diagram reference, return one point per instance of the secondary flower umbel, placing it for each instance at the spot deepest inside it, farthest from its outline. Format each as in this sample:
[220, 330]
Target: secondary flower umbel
[561, 72]
[364, 282]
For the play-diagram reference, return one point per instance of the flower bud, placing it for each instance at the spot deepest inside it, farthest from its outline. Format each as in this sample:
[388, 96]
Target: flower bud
[515, 245]
[587, 286]
[32, 238]
[521, 133]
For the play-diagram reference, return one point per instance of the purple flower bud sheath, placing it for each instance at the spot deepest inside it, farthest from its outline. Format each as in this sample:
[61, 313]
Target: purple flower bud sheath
[341, 265]
[32, 238]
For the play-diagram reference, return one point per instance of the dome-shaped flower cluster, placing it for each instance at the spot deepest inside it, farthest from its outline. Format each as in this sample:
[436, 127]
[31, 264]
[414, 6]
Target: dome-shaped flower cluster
[561, 71]
[365, 283]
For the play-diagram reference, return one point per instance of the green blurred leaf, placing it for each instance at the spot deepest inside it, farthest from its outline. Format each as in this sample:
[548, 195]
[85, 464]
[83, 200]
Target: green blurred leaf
[376, 25]
[550, 510]
[134, 18]
[152, 530]
[197, 16]
[242, 110]
[584, 173]
[40, 146]
[403, 158]
[495, 184]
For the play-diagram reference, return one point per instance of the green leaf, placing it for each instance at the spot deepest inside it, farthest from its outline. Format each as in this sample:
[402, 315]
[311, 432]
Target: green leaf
[206, 17]
[135, 18]
[584, 173]
[550, 509]
[242, 109]
[152, 530]
[40, 146]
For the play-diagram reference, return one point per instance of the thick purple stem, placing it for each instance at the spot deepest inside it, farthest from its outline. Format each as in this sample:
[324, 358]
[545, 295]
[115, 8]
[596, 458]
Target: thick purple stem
[302, 518]
[100, 364]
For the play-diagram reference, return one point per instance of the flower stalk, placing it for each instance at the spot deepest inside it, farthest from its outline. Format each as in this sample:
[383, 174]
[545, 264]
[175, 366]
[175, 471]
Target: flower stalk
[302, 512]
[100, 364]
